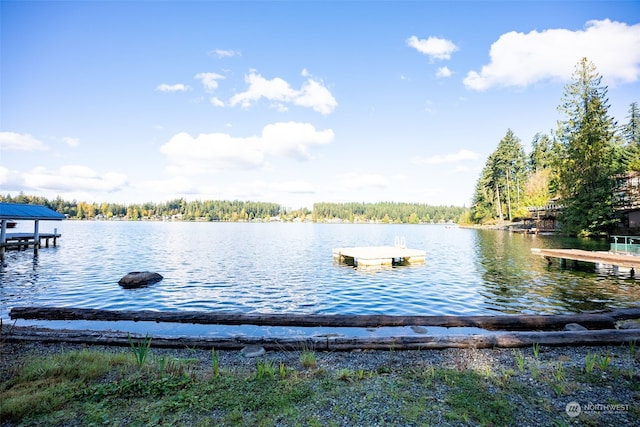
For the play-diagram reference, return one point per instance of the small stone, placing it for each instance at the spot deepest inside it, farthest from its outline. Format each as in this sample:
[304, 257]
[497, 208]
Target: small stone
[253, 351]
[419, 329]
[574, 327]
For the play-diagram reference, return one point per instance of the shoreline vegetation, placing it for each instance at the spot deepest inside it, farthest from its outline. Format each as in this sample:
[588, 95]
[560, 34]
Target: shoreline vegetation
[249, 211]
[71, 384]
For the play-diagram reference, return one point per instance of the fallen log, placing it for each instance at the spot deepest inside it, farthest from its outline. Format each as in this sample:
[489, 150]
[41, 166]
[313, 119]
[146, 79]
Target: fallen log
[525, 322]
[333, 343]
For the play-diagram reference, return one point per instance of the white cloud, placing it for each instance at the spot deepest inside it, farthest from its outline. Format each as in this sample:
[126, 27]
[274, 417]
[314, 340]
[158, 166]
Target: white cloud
[316, 96]
[225, 53]
[443, 72]
[216, 102]
[274, 90]
[209, 80]
[434, 47]
[216, 151]
[179, 87]
[293, 139]
[519, 59]
[71, 142]
[210, 152]
[11, 180]
[462, 155]
[12, 141]
[313, 94]
[73, 178]
[359, 181]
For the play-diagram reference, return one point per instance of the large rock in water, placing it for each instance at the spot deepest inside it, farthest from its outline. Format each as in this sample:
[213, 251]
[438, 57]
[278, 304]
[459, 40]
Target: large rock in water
[139, 279]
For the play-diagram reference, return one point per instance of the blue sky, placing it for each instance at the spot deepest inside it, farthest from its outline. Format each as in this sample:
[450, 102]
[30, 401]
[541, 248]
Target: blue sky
[290, 102]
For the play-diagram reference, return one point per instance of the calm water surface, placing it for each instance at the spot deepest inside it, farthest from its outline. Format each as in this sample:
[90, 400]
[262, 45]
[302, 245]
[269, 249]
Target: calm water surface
[288, 268]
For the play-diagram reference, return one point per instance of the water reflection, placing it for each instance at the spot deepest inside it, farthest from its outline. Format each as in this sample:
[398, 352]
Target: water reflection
[517, 282]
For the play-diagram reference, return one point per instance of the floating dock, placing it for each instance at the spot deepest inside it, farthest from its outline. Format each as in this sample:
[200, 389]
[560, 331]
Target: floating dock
[596, 257]
[373, 256]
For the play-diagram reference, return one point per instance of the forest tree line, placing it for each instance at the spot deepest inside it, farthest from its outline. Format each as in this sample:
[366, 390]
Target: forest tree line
[388, 212]
[581, 165]
[225, 210]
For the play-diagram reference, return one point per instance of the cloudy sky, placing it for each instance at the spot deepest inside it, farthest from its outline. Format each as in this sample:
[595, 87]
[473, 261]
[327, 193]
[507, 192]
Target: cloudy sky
[290, 102]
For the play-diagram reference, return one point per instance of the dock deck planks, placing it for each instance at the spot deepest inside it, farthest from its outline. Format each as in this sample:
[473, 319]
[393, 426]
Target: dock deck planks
[596, 257]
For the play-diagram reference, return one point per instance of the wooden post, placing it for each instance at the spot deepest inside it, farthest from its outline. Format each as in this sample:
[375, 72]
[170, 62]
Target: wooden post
[36, 237]
[3, 238]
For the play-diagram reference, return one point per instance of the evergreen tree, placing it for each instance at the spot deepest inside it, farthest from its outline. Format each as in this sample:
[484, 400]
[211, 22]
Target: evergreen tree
[631, 130]
[541, 152]
[630, 133]
[588, 165]
[500, 189]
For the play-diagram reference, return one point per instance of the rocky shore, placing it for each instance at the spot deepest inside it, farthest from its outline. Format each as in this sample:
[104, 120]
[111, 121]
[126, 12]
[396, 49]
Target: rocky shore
[538, 385]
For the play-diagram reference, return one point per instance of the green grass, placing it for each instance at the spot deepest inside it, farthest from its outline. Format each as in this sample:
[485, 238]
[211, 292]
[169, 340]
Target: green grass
[519, 359]
[308, 359]
[141, 350]
[536, 350]
[589, 362]
[472, 400]
[112, 388]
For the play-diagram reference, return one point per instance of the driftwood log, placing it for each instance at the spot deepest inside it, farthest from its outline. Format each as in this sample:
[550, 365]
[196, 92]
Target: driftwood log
[490, 340]
[590, 320]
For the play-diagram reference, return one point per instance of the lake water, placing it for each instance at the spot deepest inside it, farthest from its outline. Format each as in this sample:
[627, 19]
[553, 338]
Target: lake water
[288, 268]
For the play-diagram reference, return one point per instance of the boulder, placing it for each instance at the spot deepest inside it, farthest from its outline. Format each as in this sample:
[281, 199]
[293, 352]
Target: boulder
[139, 279]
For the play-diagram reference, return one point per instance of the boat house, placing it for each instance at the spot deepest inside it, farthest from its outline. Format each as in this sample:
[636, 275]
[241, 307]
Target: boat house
[10, 212]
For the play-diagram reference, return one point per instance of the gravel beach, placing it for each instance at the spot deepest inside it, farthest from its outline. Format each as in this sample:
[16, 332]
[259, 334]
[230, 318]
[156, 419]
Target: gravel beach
[549, 382]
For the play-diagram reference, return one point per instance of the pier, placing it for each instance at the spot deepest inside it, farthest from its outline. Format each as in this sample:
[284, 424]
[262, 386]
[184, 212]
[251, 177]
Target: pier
[597, 257]
[372, 256]
[22, 241]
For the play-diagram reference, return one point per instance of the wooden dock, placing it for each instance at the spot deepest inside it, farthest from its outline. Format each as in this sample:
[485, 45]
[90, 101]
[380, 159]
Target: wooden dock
[373, 256]
[22, 241]
[12, 212]
[596, 257]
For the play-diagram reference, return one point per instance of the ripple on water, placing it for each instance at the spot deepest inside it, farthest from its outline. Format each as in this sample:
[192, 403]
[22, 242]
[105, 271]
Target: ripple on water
[289, 268]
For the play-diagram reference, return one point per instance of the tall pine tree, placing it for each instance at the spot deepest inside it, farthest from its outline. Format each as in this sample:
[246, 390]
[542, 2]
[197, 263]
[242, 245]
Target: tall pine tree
[500, 189]
[588, 165]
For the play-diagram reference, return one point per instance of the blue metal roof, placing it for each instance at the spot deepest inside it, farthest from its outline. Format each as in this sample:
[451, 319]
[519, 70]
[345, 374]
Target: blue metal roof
[19, 211]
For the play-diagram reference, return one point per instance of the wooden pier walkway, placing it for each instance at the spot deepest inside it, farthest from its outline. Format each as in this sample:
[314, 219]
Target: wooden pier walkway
[22, 241]
[596, 257]
[372, 256]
